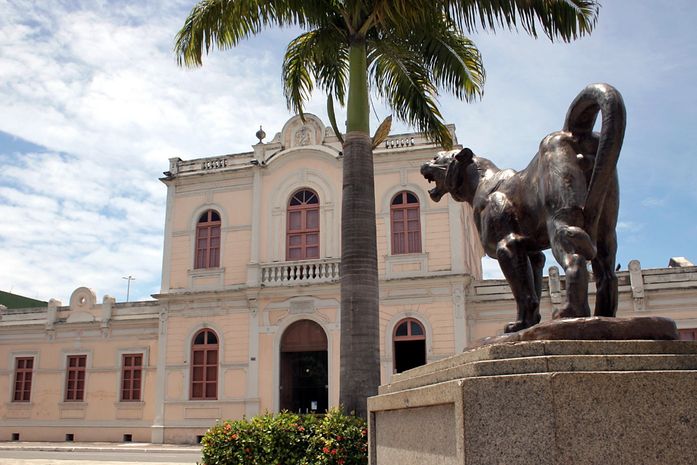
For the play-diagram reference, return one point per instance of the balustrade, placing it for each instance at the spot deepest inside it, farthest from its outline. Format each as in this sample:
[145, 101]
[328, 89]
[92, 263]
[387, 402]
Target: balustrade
[300, 272]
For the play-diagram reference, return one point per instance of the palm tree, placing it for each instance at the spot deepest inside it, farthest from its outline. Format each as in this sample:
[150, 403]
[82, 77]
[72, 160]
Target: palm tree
[404, 51]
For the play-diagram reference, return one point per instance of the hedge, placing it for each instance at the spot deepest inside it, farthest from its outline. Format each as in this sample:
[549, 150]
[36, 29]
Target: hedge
[286, 438]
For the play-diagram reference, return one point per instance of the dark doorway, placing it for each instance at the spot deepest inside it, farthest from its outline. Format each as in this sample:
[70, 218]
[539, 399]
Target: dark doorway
[409, 354]
[304, 382]
[409, 345]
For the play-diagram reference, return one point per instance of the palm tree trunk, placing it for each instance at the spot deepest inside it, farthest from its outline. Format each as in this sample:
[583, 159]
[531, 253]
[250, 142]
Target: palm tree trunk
[360, 343]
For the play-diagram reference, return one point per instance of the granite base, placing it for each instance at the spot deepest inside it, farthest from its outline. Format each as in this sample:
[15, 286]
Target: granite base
[543, 403]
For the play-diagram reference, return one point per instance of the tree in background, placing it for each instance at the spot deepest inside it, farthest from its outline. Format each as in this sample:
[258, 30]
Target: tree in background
[405, 52]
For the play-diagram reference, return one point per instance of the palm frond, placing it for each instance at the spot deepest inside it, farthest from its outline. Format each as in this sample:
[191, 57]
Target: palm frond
[382, 131]
[453, 61]
[297, 80]
[559, 19]
[319, 56]
[401, 79]
[396, 14]
[224, 23]
[332, 119]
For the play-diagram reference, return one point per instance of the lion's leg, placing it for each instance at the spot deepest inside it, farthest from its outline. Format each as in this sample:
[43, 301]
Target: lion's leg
[604, 261]
[517, 269]
[537, 261]
[605, 278]
[500, 229]
[572, 248]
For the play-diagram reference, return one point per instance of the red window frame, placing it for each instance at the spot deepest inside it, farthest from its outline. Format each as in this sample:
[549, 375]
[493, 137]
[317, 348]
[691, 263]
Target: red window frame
[24, 370]
[204, 366]
[410, 335]
[405, 219]
[302, 226]
[407, 330]
[131, 377]
[75, 378]
[687, 334]
[208, 240]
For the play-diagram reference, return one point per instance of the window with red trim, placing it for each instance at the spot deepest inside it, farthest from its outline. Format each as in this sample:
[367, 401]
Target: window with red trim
[208, 240]
[406, 223]
[302, 231]
[131, 377]
[75, 378]
[24, 369]
[409, 342]
[204, 366]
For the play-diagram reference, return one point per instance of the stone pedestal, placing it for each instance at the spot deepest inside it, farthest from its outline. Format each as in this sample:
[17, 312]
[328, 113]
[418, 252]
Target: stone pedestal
[543, 403]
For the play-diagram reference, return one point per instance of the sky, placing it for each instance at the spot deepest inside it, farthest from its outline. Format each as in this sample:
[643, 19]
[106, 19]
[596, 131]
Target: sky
[93, 104]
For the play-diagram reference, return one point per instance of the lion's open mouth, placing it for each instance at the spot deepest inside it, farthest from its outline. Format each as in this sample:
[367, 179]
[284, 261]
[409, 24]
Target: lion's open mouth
[434, 174]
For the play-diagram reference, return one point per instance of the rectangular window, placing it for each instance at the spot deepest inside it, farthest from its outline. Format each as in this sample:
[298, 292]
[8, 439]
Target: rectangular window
[24, 368]
[406, 224]
[131, 377]
[688, 334]
[75, 378]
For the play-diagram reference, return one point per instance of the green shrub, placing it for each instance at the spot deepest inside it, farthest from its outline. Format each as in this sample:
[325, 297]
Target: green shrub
[288, 439]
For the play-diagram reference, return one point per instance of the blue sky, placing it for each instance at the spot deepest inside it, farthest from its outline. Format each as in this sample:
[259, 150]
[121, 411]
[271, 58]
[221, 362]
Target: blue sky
[92, 105]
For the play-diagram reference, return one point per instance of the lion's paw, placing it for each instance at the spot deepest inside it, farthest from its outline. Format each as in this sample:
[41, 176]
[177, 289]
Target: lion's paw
[568, 312]
[514, 326]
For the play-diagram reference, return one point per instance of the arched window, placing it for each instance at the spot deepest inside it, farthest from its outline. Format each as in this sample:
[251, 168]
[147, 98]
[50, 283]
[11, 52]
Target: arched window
[409, 342]
[208, 240]
[204, 366]
[302, 233]
[406, 223]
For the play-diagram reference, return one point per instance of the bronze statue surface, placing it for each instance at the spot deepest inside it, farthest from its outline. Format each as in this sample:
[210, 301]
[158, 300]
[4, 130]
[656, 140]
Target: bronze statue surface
[566, 199]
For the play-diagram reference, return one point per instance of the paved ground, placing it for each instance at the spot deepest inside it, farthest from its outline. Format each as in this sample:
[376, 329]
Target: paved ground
[104, 453]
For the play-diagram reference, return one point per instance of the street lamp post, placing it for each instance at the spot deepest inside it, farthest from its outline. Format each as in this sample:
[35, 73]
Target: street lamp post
[128, 289]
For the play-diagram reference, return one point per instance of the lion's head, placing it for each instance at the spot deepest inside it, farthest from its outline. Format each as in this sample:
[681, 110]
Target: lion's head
[449, 171]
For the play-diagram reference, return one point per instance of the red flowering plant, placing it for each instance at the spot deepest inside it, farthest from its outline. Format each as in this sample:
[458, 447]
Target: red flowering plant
[339, 439]
[287, 439]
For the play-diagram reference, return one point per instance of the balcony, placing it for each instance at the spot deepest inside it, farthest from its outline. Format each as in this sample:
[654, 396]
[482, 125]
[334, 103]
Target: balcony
[300, 272]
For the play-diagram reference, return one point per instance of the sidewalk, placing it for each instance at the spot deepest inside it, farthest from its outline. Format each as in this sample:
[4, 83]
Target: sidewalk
[140, 447]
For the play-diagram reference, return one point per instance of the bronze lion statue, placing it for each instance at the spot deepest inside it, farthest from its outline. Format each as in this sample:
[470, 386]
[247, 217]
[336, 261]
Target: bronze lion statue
[566, 199]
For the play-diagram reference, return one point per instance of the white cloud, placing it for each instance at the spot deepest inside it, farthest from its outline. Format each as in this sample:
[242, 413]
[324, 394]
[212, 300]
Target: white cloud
[653, 202]
[629, 226]
[66, 224]
[99, 87]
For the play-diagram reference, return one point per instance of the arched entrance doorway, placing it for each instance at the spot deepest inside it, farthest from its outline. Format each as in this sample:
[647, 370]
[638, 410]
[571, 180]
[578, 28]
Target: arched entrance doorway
[304, 382]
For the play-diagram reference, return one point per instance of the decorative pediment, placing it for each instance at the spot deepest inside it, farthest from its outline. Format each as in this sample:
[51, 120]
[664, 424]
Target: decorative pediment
[83, 306]
[297, 133]
[82, 299]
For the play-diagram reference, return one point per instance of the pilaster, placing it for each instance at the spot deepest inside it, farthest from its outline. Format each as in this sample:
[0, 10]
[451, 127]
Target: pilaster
[459, 318]
[253, 267]
[158, 426]
[167, 246]
[457, 237]
[252, 397]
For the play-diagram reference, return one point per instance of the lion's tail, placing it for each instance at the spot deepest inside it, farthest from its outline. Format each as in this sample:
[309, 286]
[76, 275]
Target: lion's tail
[580, 119]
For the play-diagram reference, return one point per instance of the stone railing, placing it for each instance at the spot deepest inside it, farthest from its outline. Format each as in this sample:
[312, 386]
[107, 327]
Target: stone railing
[407, 141]
[177, 166]
[399, 142]
[300, 272]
